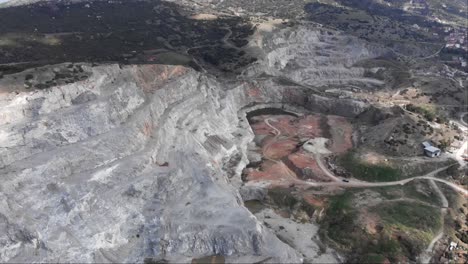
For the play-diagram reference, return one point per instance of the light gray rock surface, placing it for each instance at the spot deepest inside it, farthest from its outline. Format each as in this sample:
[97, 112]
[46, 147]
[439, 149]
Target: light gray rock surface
[143, 162]
[303, 237]
[87, 182]
[313, 56]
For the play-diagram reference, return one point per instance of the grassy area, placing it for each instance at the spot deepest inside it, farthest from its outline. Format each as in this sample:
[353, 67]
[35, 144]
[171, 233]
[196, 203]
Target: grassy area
[368, 172]
[409, 215]
[339, 220]
[413, 224]
[283, 198]
[418, 190]
[405, 228]
[342, 228]
[373, 258]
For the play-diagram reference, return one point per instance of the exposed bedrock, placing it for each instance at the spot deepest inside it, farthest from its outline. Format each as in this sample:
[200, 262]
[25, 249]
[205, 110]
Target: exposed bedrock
[103, 180]
[313, 57]
[137, 162]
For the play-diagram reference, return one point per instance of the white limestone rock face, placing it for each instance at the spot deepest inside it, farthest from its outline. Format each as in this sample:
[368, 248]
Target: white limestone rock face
[127, 168]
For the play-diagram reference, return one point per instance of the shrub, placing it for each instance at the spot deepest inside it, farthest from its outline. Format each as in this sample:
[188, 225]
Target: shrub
[428, 114]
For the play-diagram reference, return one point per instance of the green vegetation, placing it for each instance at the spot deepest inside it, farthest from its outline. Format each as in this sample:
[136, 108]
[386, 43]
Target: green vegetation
[254, 206]
[368, 172]
[409, 215]
[218, 259]
[282, 197]
[403, 229]
[428, 112]
[417, 190]
[339, 220]
[125, 32]
[343, 229]
[413, 224]
[372, 258]
[445, 143]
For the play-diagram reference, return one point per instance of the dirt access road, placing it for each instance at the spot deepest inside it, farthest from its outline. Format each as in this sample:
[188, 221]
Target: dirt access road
[337, 181]
[277, 135]
[426, 256]
[357, 184]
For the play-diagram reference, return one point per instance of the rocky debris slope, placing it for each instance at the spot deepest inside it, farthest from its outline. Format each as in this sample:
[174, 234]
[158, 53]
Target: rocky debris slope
[143, 162]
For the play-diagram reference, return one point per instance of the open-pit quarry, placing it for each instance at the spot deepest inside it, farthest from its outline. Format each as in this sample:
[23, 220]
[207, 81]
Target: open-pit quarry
[158, 163]
[137, 161]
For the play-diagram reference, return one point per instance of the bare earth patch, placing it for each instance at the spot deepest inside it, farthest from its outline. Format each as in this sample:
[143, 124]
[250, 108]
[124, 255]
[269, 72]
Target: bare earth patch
[204, 17]
[286, 146]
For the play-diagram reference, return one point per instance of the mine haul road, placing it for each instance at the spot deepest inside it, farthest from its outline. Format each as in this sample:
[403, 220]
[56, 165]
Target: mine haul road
[356, 184]
[426, 256]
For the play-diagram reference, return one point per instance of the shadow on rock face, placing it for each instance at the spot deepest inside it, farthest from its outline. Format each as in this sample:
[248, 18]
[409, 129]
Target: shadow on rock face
[125, 32]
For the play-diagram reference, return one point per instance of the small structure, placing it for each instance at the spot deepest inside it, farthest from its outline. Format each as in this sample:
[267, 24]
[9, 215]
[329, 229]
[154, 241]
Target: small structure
[430, 150]
[453, 245]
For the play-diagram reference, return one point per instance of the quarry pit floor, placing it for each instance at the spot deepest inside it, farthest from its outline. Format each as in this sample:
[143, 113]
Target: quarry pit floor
[292, 148]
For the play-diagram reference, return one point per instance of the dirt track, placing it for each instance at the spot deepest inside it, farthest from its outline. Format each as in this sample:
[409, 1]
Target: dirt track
[337, 181]
[357, 184]
[426, 256]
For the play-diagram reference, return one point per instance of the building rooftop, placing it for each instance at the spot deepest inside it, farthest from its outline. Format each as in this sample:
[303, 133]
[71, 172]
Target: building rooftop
[432, 149]
[426, 144]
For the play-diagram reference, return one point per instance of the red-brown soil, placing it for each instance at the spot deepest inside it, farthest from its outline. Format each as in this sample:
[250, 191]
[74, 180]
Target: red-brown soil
[279, 148]
[314, 201]
[285, 162]
[272, 171]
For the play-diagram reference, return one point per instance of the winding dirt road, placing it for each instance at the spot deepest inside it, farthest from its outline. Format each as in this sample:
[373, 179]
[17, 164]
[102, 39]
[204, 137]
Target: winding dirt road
[426, 256]
[277, 131]
[277, 135]
[337, 181]
[357, 184]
